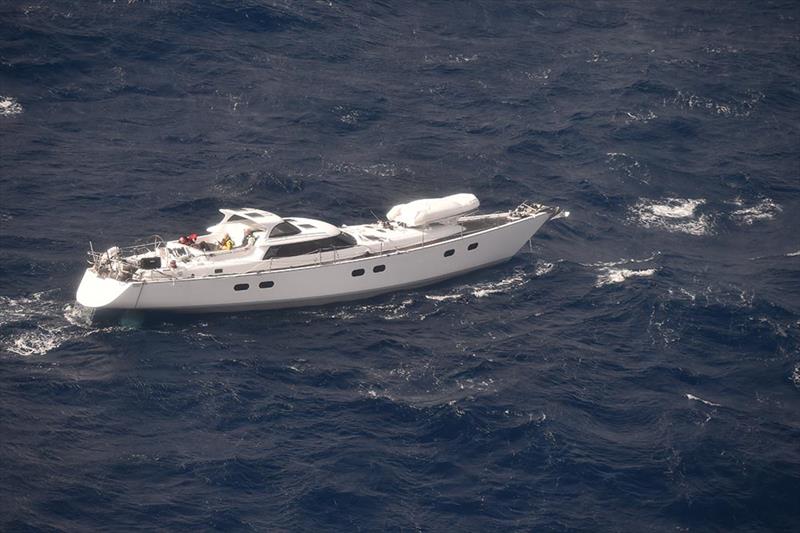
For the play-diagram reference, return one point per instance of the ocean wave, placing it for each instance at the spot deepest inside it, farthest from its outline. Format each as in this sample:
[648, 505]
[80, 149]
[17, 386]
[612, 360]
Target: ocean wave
[381, 170]
[611, 272]
[443, 297]
[9, 106]
[698, 399]
[628, 166]
[506, 284]
[38, 342]
[727, 49]
[392, 310]
[743, 107]
[539, 75]
[453, 59]
[618, 275]
[765, 209]
[640, 116]
[676, 215]
[543, 268]
[38, 324]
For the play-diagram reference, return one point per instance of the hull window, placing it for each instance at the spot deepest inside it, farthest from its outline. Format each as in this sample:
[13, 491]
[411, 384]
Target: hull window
[266, 284]
[448, 253]
[217, 271]
[472, 246]
[378, 268]
[357, 272]
[241, 286]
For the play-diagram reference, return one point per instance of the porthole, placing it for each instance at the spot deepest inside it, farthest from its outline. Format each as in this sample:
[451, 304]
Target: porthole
[378, 268]
[357, 272]
[217, 271]
[241, 286]
[472, 246]
[266, 284]
[448, 253]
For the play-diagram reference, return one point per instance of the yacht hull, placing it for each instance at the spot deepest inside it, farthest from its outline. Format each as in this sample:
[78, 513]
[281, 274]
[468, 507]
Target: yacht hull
[316, 284]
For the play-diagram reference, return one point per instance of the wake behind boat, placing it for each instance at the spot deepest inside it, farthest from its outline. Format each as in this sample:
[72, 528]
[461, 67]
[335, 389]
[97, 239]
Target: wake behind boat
[254, 259]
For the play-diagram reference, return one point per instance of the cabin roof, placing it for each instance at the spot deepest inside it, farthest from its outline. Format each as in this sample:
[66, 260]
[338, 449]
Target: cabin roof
[259, 217]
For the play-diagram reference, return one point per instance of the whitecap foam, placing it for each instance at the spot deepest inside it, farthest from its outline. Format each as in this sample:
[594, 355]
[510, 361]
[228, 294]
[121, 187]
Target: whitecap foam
[677, 215]
[727, 49]
[451, 58]
[765, 209]
[610, 272]
[442, 297]
[597, 57]
[347, 116]
[481, 290]
[9, 106]
[742, 107]
[37, 342]
[543, 268]
[640, 116]
[628, 166]
[698, 399]
[387, 311]
[504, 285]
[381, 170]
[618, 275]
[624, 261]
[796, 375]
[543, 74]
[38, 324]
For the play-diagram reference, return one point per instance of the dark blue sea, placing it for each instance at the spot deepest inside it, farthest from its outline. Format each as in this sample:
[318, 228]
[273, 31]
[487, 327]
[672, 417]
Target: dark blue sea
[637, 368]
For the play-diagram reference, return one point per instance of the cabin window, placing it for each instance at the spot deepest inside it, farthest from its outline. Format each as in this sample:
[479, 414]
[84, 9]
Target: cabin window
[284, 229]
[450, 252]
[357, 272]
[266, 284]
[378, 268]
[217, 271]
[341, 241]
[308, 226]
[472, 246]
[241, 286]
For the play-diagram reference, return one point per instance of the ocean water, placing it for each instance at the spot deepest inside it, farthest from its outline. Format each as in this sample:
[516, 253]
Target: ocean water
[637, 368]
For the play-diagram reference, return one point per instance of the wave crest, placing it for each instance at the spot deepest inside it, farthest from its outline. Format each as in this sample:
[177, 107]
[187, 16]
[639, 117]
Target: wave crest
[9, 106]
[677, 215]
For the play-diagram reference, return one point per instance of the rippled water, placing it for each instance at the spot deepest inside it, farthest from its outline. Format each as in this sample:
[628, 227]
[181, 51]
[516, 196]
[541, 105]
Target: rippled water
[636, 368]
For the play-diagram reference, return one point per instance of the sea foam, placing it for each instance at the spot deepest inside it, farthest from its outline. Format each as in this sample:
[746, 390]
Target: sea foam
[9, 106]
[677, 215]
[38, 324]
[765, 209]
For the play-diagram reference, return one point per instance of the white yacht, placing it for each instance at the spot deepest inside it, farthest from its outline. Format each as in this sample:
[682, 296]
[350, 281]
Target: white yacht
[254, 259]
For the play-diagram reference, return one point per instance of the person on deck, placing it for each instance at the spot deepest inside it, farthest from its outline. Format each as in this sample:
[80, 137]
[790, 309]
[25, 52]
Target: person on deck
[249, 238]
[226, 243]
